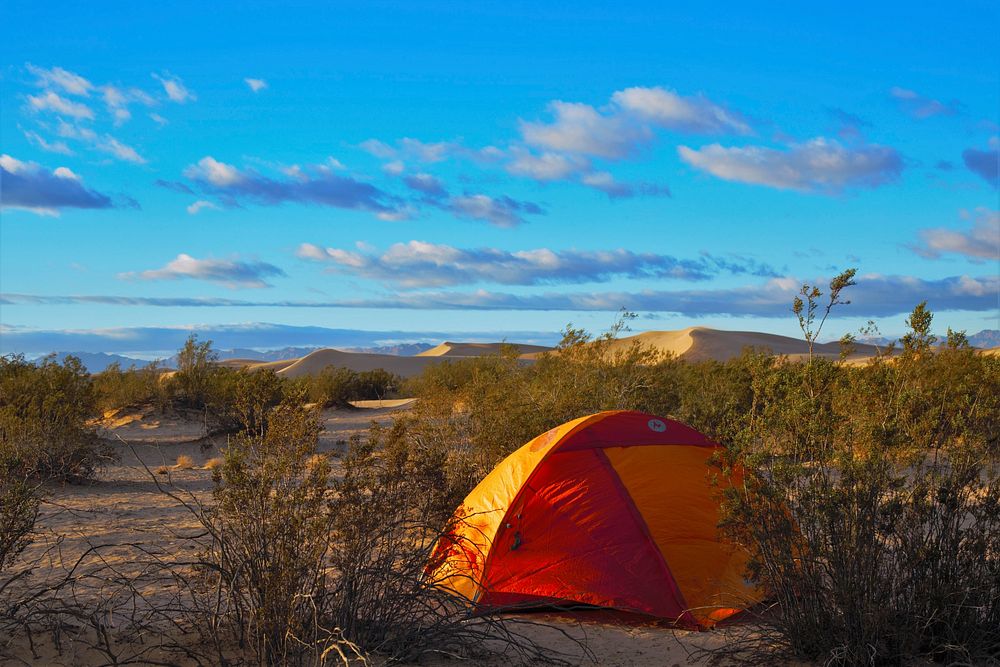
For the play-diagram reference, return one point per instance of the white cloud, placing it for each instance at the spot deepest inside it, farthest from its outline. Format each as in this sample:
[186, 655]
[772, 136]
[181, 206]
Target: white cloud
[419, 264]
[199, 205]
[395, 168]
[819, 165]
[427, 184]
[918, 106]
[50, 101]
[332, 163]
[978, 244]
[158, 119]
[256, 85]
[175, 89]
[215, 172]
[13, 165]
[65, 172]
[117, 101]
[231, 273]
[407, 147]
[68, 131]
[499, 211]
[667, 109]
[104, 143]
[378, 148]
[30, 186]
[57, 77]
[310, 184]
[109, 144]
[51, 147]
[580, 128]
[546, 166]
[617, 130]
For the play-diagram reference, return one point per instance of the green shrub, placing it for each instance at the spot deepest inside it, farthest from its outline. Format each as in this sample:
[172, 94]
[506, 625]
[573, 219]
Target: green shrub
[242, 400]
[192, 384]
[116, 388]
[872, 503]
[18, 512]
[45, 413]
[337, 387]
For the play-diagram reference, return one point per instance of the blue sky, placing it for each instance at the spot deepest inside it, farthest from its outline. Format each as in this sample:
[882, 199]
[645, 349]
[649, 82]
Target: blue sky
[421, 168]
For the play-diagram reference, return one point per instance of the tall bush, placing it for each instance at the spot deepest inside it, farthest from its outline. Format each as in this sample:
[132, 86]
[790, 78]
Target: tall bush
[46, 410]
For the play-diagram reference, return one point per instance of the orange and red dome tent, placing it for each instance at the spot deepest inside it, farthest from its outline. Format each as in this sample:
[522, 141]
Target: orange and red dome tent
[615, 510]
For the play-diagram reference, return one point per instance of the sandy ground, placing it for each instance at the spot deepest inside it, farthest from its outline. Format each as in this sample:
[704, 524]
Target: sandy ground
[125, 508]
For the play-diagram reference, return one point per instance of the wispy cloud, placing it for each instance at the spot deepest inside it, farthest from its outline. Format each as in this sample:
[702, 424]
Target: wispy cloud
[919, 106]
[820, 165]
[427, 184]
[580, 129]
[101, 142]
[849, 126]
[173, 186]
[565, 147]
[57, 77]
[978, 244]
[875, 296]
[48, 146]
[231, 273]
[117, 101]
[414, 149]
[256, 85]
[500, 211]
[52, 101]
[317, 184]
[175, 89]
[692, 114]
[614, 189]
[419, 264]
[628, 121]
[201, 205]
[30, 186]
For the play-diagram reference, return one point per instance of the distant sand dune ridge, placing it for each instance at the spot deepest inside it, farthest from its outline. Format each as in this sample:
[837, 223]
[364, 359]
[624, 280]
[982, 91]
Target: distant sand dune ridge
[701, 343]
[405, 366]
[690, 344]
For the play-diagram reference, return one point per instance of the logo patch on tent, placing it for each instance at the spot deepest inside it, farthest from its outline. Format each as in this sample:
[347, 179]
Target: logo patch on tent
[656, 425]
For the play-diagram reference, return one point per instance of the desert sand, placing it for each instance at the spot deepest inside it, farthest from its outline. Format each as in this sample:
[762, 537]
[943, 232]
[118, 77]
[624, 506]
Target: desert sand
[125, 511]
[701, 343]
[691, 344]
[450, 349]
[314, 362]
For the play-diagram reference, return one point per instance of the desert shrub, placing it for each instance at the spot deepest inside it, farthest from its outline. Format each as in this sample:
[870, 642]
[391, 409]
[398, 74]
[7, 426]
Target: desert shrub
[337, 387]
[871, 505]
[492, 405]
[377, 384]
[270, 536]
[302, 569]
[18, 511]
[117, 388]
[192, 384]
[243, 400]
[45, 409]
[333, 387]
[393, 504]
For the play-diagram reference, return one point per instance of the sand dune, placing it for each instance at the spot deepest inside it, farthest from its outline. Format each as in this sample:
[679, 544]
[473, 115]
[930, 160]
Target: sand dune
[315, 362]
[450, 349]
[700, 343]
[691, 344]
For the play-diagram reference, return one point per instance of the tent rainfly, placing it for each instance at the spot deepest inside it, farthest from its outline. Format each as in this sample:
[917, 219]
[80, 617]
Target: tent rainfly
[616, 509]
